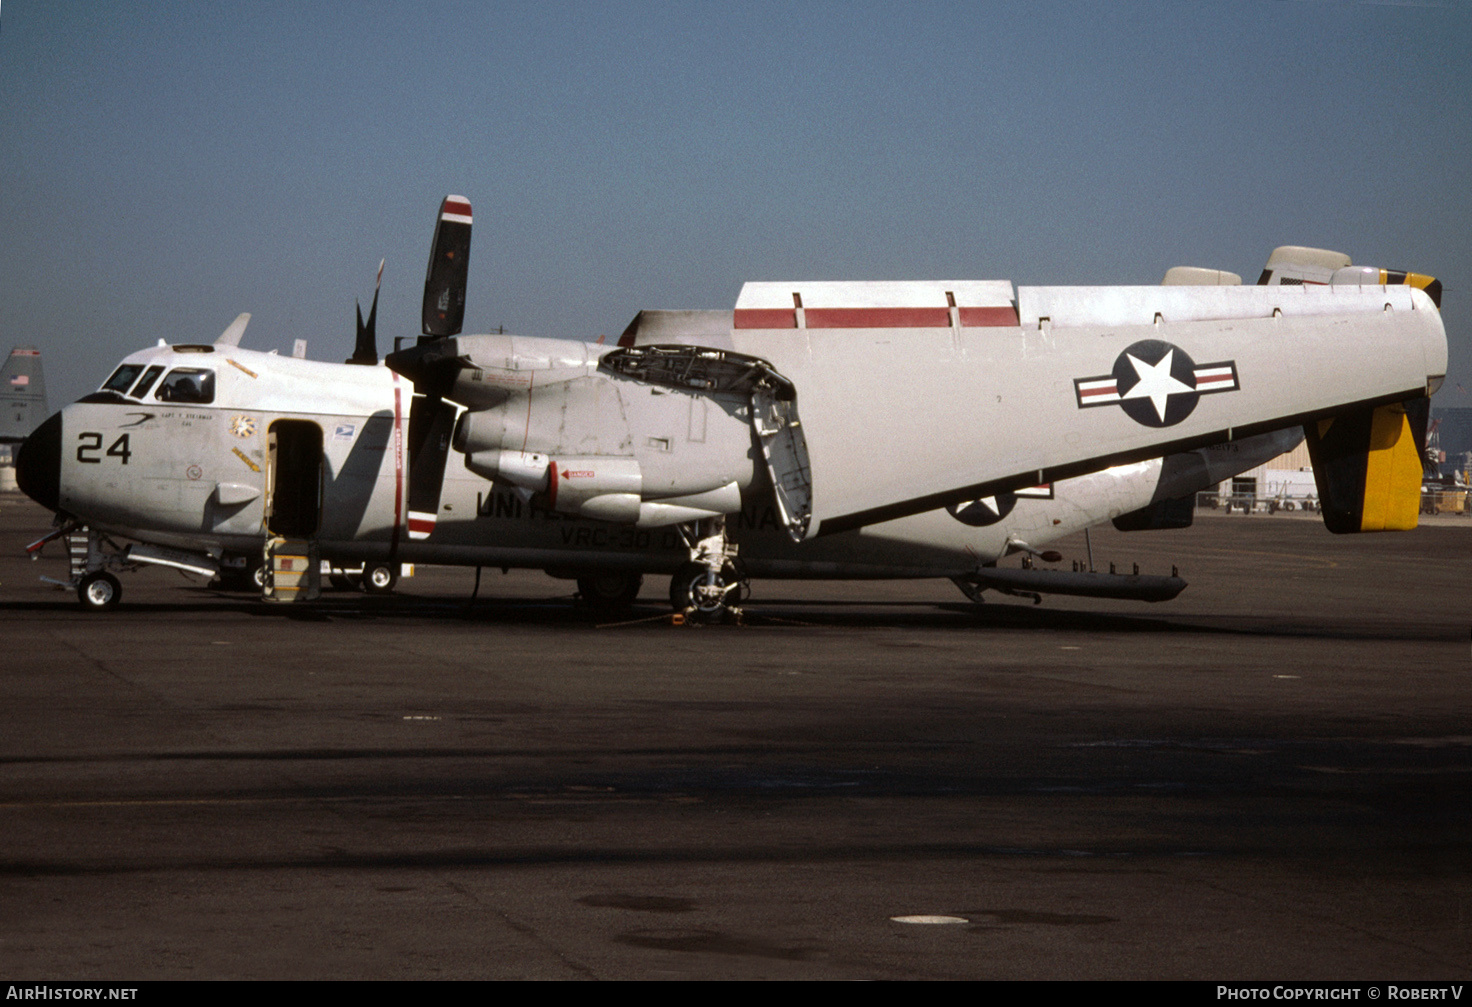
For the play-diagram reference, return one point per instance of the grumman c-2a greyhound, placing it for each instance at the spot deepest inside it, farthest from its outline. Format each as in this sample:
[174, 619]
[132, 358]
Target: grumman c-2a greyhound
[816, 430]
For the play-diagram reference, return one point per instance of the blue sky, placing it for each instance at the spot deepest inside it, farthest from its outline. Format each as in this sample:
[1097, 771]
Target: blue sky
[165, 166]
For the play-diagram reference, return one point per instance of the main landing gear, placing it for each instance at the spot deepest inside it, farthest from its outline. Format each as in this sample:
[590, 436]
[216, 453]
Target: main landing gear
[709, 588]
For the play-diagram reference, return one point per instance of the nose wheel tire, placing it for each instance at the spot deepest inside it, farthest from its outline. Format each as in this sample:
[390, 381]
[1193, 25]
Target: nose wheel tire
[380, 578]
[99, 592]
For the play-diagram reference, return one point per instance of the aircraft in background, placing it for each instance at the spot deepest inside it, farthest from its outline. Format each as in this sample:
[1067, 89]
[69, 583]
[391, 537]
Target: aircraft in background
[22, 394]
[22, 405]
[942, 426]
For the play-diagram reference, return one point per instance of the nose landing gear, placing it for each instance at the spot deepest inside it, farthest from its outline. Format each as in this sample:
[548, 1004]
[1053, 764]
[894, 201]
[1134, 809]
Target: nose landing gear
[90, 554]
[99, 592]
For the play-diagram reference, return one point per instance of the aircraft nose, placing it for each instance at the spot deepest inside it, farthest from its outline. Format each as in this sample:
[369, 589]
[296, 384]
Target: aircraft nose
[38, 464]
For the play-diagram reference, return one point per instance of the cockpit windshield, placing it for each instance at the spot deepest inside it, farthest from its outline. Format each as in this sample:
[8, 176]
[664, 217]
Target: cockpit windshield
[188, 384]
[122, 378]
[149, 377]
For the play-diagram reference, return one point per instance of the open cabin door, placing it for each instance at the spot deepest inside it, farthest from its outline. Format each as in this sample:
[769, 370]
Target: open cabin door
[294, 471]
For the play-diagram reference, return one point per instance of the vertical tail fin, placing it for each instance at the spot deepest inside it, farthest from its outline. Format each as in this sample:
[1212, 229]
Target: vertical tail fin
[1367, 465]
[22, 394]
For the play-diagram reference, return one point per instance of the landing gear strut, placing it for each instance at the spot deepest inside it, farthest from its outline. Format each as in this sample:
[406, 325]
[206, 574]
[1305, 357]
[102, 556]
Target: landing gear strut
[91, 555]
[708, 587]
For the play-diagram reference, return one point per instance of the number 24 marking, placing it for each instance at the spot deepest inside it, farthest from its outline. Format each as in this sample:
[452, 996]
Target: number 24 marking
[90, 442]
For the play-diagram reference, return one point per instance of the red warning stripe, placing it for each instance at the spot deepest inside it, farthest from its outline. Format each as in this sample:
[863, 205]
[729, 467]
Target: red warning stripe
[980, 317]
[878, 318]
[874, 318]
[398, 465]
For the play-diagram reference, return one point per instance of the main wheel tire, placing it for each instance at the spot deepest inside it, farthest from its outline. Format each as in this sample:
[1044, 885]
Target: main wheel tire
[380, 578]
[610, 591]
[99, 592]
[689, 591]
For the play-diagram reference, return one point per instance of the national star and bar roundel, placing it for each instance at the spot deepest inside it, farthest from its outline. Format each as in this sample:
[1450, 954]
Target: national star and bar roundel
[1155, 383]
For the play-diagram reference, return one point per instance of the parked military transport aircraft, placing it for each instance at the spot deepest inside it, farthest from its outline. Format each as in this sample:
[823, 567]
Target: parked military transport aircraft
[942, 426]
[22, 394]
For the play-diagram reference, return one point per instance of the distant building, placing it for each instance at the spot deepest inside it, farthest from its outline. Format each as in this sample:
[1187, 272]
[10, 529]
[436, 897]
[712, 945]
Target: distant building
[1287, 477]
[1454, 437]
[1291, 476]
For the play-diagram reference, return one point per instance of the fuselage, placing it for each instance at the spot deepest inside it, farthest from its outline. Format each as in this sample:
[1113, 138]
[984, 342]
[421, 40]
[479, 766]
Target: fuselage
[177, 449]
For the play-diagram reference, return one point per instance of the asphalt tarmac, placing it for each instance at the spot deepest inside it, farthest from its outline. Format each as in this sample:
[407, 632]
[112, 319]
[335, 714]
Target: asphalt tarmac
[1268, 778]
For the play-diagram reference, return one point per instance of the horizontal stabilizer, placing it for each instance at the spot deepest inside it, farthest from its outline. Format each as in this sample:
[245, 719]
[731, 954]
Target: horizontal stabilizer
[1367, 468]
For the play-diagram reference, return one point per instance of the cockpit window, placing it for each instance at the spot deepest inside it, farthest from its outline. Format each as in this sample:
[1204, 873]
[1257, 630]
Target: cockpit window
[188, 384]
[149, 377]
[122, 378]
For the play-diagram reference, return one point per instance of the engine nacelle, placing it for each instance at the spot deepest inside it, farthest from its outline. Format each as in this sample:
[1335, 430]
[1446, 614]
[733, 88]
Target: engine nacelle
[522, 469]
[607, 489]
[668, 443]
[655, 435]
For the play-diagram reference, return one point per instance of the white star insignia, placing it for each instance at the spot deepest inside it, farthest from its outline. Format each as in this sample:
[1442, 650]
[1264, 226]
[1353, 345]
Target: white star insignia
[1156, 382]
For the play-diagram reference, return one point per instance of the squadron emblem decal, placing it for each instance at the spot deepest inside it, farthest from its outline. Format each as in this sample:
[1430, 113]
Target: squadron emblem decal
[242, 426]
[1155, 383]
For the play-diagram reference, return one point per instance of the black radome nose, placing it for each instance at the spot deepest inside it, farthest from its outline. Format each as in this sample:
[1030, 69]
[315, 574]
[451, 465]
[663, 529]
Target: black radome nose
[38, 464]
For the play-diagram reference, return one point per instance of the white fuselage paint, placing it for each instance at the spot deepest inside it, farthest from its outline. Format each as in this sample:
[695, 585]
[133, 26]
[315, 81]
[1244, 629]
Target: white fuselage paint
[194, 476]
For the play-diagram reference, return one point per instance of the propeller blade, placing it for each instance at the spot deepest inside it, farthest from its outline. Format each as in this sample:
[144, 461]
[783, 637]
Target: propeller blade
[432, 365]
[449, 268]
[366, 349]
[431, 422]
